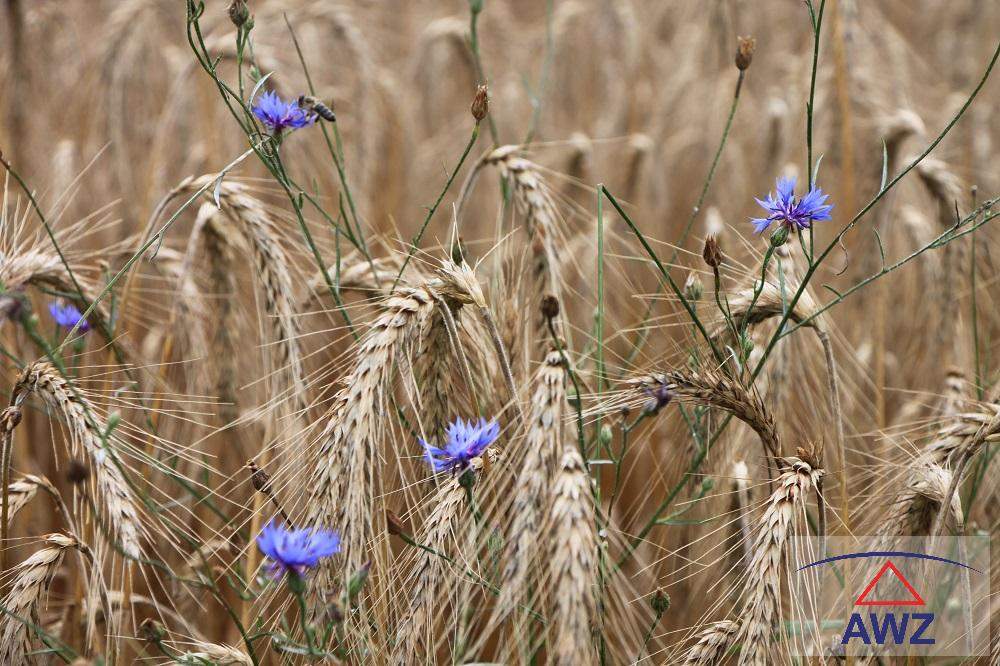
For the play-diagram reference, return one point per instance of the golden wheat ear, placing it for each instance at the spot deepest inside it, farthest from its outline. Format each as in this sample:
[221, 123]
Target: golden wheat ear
[712, 644]
[31, 581]
[342, 480]
[762, 600]
[710, 387]
[214, 653]
[91, 433]
[573, 561]
[428, 576]
[542, 444]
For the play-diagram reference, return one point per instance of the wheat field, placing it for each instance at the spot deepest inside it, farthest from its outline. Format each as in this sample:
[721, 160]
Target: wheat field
[488, 331]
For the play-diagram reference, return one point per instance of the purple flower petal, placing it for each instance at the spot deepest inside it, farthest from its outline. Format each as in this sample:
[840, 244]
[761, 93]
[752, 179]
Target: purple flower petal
[296, 550]
[466, 440]
[782, 207]
[68, 316]
[279, 115]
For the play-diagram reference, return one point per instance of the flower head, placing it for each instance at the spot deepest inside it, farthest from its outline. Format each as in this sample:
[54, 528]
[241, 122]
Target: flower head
[659, 398]
[68, 316]
[790, 211]
[296, 550]
[465, 442]
[279, 115]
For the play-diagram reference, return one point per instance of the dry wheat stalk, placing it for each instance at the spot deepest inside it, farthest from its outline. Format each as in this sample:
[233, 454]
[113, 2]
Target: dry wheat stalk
[356, 274]
[769, 304]
[435, 372]
[342, 483]
[578, 163]
[713, 388]
[221, 275]
[88, 430]
[968, 449]
[443, 62]
[459, 282]
[741, 479]
[32, 266]
[761, 606]
[895, 130]
[427, 573]
[774, 382]
[510, 313]
[947, 191]
[640, 147]
[745, 310]
[213, 553]
[248, 216]
[31, 580]
[188, 309]
[960, 433]
[573, 562]
[425, 577]
[24, 489]
[216, 653]
[912, 513]
[955, 398]
[942, 184]
[542, 444]
[712, 644]
[21, 492]
[534, 200]
[42, 268]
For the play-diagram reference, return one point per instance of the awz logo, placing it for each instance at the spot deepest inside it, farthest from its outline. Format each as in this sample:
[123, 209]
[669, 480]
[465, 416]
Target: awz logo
[888, 627]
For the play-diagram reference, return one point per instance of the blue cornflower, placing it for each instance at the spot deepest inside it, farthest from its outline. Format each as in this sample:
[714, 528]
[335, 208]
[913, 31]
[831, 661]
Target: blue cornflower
[465, 442]
[279, 115]
[67, 316]
[296, 550]
[791, 212]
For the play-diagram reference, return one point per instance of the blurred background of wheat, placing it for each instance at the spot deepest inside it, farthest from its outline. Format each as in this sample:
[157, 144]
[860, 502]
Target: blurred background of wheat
[228, 347]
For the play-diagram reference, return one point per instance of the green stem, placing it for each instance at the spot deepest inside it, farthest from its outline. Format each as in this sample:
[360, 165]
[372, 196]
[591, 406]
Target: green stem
[644, 335]
[536, 99]
[663, 271]
[297, 586]
[475, 7]
[817, 28]
[433, 209]
[814, 265]
[811, 270]
[938, 242]
[711, 170]
[338, 163]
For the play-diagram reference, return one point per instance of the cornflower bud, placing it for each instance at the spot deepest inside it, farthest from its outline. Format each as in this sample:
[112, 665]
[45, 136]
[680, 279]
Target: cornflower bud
[712, 253]
[660, 602]
[550, 306]
[480, 103]
[693, 288]
[744, 52]
[238, 12]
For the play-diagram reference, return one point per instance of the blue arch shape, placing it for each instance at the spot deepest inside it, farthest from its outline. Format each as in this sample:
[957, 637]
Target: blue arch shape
[888, 553]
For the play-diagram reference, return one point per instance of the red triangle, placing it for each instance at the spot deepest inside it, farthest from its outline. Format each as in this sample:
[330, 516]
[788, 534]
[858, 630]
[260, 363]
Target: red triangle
[916, 600]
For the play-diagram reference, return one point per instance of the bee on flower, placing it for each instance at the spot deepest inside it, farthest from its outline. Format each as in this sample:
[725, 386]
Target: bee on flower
[279, 115]
[466, 440]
